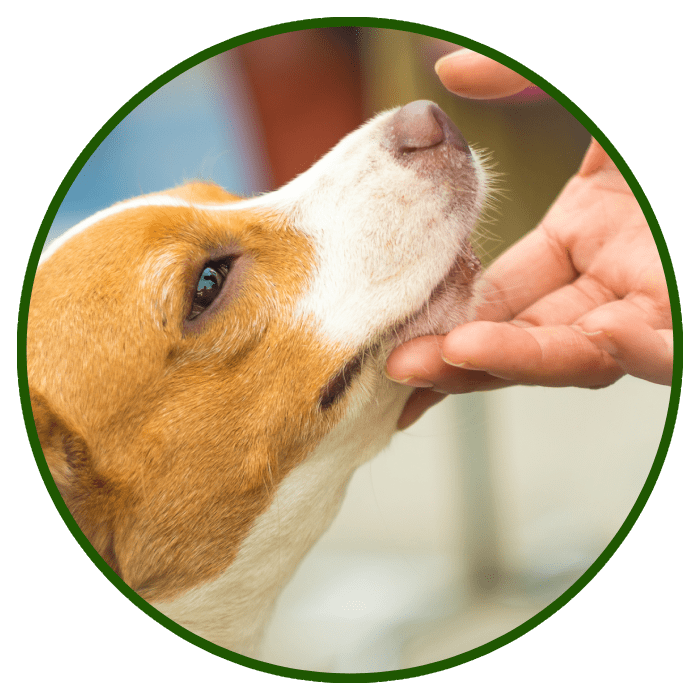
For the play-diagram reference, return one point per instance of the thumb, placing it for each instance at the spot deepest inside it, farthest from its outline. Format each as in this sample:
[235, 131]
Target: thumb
[469, 74]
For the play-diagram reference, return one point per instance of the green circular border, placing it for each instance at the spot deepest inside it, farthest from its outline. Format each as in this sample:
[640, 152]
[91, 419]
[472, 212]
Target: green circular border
[381, 675]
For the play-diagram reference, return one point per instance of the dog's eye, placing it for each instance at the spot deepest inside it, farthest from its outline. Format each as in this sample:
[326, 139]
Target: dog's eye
[210, 282]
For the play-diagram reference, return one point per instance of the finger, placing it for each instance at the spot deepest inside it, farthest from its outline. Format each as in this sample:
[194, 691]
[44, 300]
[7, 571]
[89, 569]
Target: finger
[418, 358]
[620, 330]
[418, 403]
[469, 74]
[595, 159]
[549, 356]
[418, 363]
[535, 266]
[566, 305]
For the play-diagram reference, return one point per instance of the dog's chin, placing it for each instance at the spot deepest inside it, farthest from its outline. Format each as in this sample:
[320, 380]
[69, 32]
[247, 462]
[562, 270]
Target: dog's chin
[448, 306]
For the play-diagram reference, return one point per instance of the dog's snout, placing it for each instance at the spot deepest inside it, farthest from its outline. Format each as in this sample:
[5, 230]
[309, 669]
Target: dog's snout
[422, 125]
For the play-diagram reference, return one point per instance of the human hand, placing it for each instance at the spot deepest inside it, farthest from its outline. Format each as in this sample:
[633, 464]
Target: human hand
[579, 301]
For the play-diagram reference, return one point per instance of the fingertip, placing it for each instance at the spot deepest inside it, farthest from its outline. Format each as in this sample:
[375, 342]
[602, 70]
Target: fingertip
[419, 357]
[458, 347]
[595, 159]
[399, 363]
[634, 345]
[450, 59]
[470, 74]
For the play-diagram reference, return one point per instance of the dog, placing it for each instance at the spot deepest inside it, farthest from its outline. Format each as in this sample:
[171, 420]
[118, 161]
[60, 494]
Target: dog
[206, 372]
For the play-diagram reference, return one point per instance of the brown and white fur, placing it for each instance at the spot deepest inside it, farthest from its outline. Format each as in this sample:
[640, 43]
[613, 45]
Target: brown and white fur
[203, 454]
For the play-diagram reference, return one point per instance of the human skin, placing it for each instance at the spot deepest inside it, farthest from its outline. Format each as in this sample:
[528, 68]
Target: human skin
[579, 301]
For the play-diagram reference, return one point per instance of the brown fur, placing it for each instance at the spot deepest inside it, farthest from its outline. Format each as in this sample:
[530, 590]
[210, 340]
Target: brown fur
[167, 439]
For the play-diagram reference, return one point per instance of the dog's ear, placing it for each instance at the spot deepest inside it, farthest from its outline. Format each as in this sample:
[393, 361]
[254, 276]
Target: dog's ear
[65, 451]
[86, 494]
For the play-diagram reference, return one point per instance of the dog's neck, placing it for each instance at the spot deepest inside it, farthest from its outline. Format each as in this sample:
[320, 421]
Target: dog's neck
[233, 610]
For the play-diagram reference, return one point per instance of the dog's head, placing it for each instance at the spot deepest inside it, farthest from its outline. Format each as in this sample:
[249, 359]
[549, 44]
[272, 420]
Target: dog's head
[189, 350]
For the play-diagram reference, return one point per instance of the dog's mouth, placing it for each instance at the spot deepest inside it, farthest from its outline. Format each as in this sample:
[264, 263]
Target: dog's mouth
[448, 305]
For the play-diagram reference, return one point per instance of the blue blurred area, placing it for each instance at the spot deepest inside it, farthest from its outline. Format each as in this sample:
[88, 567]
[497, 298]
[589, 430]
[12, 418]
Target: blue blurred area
[200, 125]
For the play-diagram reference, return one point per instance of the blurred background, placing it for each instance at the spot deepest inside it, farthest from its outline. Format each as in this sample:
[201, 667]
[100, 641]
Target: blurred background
[493, 504]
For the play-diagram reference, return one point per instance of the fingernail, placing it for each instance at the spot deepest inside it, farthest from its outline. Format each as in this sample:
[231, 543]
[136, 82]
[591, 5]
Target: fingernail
[462, 365]
[414, 382]
[605, 342]
[601, 338]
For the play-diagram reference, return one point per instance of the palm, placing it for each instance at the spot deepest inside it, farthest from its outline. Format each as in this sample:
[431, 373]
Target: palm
[601, 251]
[591, 265]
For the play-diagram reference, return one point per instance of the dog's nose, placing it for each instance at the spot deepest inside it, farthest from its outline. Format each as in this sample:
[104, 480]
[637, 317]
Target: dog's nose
[422, 125]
